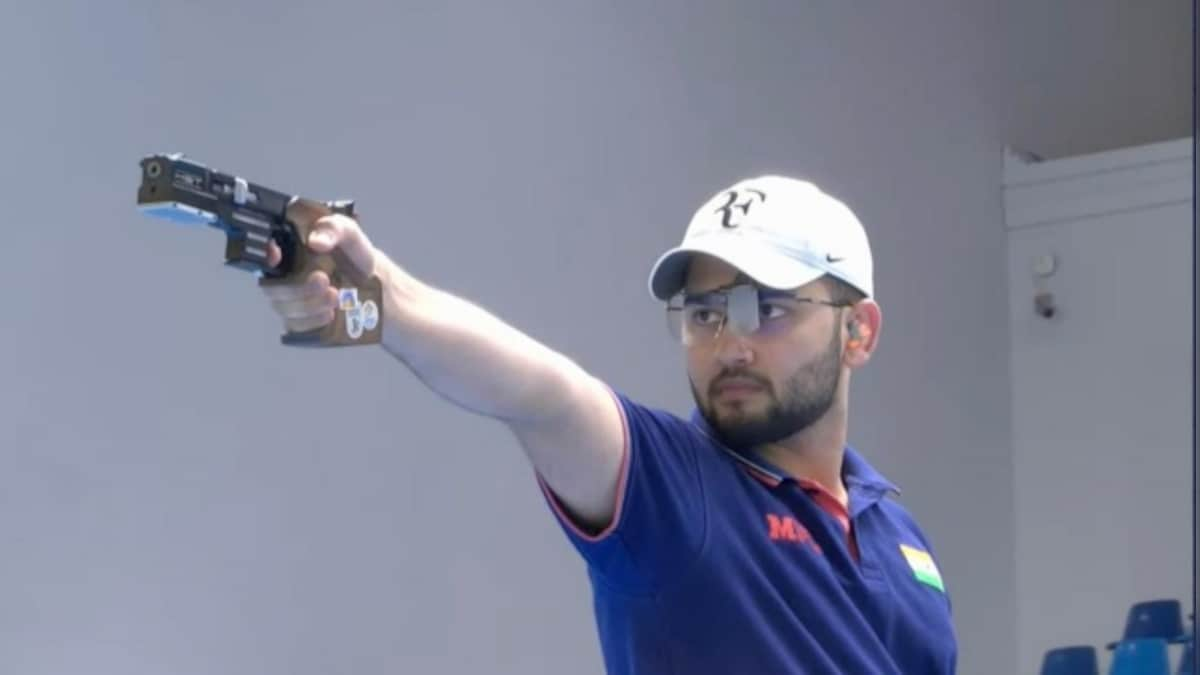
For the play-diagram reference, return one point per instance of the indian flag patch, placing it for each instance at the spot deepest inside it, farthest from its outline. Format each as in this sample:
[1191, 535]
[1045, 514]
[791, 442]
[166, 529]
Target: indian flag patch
[922, 566]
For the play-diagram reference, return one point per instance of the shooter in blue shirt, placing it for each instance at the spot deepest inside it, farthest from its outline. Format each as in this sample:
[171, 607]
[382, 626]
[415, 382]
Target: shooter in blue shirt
[749, 537]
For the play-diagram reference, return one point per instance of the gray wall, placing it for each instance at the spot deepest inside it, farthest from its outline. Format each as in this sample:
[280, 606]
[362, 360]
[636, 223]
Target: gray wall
[181, 494]
[1090, 75]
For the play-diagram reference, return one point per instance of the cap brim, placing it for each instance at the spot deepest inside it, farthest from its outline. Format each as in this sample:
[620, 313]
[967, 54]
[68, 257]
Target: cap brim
[764, 265]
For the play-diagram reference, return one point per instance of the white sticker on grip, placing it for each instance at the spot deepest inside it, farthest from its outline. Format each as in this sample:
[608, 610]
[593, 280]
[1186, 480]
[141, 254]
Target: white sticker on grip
[370, 315]
[354, 323]
[347, 299]
[357, 314]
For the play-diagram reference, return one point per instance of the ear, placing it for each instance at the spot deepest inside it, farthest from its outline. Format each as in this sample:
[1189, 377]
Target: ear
[862, 332]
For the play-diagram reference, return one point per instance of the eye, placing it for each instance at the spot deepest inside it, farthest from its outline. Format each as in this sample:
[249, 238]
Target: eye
[703, 316]
[771, 310]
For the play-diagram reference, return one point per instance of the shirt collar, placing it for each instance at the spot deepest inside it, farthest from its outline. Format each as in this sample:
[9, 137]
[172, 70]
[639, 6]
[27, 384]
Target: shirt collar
[856, 470]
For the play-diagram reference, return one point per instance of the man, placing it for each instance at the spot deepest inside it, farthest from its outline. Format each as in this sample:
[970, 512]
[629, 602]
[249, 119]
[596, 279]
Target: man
[750, 538]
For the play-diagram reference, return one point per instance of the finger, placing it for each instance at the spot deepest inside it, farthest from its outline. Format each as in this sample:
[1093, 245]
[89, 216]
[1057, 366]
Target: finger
[340, 230]
[309, 323]
[313, 305]
[326, 233]
[305, 305]
[316, 282]
[274, 254]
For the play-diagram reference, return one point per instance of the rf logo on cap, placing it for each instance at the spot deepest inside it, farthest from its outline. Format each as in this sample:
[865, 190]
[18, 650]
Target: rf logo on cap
[727, 209]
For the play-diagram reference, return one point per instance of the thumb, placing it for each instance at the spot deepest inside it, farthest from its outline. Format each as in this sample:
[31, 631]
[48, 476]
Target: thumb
[341, 231]
[326, 234]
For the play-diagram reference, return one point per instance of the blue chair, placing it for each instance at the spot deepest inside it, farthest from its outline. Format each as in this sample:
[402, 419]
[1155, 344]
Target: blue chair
[1140, 656]
[1187, 662]
[1073, 660]
[1154, 619]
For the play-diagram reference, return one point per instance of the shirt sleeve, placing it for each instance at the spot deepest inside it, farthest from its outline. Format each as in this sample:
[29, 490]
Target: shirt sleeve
[659, 518]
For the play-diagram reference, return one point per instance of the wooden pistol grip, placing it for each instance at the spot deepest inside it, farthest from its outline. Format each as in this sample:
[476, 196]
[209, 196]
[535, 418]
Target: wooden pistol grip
[358, 318]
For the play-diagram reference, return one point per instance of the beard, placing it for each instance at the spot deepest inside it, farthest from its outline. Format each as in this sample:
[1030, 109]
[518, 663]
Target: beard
[807, 394]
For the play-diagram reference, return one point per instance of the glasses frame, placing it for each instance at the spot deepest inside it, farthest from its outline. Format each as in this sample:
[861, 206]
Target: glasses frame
[682, 298]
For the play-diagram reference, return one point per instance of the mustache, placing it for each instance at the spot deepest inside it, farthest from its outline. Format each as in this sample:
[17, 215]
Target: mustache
[726, 376]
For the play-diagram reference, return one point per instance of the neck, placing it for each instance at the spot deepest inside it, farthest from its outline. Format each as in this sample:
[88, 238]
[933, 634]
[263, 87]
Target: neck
[814, 453]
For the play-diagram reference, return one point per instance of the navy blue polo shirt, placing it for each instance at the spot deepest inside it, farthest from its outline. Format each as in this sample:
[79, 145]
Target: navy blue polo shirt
[717, 562]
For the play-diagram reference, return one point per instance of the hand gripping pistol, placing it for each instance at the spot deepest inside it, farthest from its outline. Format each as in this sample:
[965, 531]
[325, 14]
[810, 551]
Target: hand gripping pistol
[183, 191]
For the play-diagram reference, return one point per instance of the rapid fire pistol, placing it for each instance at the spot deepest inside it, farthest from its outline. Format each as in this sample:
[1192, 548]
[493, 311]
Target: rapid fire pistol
[186, 192]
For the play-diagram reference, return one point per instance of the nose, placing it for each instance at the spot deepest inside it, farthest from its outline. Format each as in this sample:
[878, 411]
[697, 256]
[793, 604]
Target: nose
[732, 349]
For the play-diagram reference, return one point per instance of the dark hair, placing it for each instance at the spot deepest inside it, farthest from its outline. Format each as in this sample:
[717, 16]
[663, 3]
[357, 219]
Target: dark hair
[842, 292]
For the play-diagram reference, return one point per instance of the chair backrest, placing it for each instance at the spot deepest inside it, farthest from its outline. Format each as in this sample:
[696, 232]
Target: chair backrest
[1140, 656]
[1073, 660]
[1155, 619]
[1187, 662]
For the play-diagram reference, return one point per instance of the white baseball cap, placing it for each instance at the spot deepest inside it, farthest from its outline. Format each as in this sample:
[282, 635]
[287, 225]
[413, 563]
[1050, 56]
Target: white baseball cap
[781, 232]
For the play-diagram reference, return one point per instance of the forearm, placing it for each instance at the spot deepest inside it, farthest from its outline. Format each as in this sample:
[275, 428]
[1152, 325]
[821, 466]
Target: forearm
[467, 354]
